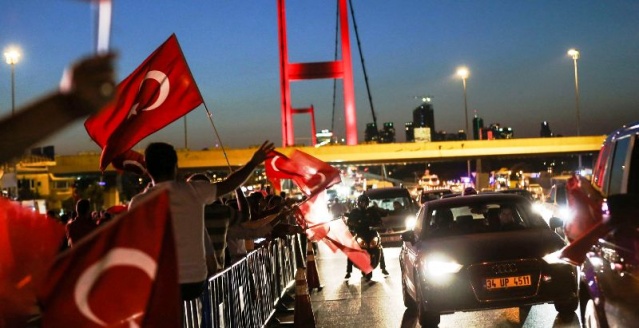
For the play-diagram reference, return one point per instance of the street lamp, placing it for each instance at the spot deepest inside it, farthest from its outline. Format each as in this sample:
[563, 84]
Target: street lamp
[12, 55]
[463, 73]
[574, 53]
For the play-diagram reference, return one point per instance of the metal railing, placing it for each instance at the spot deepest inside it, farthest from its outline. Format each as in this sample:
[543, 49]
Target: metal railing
[245, 294]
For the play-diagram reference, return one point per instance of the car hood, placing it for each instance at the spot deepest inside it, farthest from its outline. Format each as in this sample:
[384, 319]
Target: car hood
[499, 246]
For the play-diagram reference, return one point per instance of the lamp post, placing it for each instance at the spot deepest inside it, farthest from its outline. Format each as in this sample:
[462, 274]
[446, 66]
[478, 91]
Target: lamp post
[12, 55]
[574, 53]
[463, 73]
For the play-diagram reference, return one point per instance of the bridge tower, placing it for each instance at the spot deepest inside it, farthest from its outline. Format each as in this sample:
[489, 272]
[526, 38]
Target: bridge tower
[290, 72]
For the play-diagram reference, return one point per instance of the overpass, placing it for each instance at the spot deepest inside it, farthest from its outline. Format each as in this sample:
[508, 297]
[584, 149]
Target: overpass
[367, 153]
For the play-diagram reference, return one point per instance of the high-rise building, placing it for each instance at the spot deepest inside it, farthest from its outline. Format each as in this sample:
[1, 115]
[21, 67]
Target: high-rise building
[387, 135]
[424, 116]
[410, 131]
[371, 134]
[478, 126]
[545, 130]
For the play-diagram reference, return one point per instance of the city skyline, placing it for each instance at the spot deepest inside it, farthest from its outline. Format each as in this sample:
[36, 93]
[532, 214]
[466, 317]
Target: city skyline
[516, 52]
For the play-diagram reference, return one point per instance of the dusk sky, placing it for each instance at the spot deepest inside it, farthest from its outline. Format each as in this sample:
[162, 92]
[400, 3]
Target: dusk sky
[520, 74]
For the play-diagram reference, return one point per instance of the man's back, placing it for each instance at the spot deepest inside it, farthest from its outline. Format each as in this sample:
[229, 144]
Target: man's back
[79, 228]
[187, 211]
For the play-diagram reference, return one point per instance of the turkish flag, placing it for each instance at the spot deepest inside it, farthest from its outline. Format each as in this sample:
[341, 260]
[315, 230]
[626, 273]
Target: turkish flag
[585, 203]
[309, 173]
[335, 234]
[131, 161]
[29, 242]
[158, 92]
[122, 275]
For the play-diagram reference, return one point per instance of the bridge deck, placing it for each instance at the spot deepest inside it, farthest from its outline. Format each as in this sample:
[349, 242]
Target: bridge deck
[369, 153]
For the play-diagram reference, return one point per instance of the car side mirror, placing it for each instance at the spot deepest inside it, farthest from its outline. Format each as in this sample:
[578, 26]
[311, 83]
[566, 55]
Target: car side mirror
[555, 223]
[408, 236]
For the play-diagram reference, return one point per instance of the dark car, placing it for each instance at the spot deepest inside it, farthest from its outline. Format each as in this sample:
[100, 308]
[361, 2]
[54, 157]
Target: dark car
[396, 208]
[460, 257]
[609, 283]
[432, 194]
[517, 191]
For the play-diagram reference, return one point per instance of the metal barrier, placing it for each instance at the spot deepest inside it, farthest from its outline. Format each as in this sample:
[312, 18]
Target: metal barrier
[245, 294]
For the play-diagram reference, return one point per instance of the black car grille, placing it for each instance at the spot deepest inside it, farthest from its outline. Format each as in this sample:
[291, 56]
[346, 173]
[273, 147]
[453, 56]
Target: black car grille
[478, 273]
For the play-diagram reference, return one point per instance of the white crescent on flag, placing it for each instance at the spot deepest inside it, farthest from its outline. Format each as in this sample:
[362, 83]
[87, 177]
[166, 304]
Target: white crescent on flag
[321, 183]
[116, 257]
[273, 163]
[165, 87]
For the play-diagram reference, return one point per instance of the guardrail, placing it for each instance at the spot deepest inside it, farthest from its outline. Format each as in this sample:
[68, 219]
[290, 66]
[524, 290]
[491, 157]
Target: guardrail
[245, 294]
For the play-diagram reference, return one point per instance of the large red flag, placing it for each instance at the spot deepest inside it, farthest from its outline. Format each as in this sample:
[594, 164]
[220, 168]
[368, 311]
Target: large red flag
[311, 175]
[28, 244]
[158, 92]
[585, 204]
[122, 275]
[316, 220]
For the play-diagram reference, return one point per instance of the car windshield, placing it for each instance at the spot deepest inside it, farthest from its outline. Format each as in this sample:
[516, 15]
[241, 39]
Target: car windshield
[479, 218]
[392, 204]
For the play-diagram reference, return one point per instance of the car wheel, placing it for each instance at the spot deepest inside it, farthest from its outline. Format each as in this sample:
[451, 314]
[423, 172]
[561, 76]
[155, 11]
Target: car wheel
[426, 318]
[567, 307]
[409, 302]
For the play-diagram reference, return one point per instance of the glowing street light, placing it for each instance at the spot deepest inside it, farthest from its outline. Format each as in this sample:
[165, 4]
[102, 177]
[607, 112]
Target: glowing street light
[574, 53]
[12, 55]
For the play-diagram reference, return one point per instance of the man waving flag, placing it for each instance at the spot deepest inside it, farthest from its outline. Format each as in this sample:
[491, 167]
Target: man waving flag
[158, 92]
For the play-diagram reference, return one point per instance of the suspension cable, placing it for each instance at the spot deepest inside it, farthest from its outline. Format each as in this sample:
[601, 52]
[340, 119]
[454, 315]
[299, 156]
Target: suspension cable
[361, 56]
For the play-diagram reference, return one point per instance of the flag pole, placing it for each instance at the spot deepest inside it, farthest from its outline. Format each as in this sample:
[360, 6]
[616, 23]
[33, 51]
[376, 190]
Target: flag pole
[210, 116]
[207, 112]
[186, 144]
[103, 11]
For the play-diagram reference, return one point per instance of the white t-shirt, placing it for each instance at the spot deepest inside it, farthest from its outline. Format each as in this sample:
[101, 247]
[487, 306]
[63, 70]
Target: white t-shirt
[187, 201]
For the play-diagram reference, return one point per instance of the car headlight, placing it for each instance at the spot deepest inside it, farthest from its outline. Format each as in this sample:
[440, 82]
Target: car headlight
[410, 222]
[360, 241]
[438, 266]
[540, 209]
[374, 242]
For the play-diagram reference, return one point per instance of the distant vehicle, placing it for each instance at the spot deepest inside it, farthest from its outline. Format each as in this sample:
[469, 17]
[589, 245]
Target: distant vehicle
[609, 287]
[432, 194]
[459, 257]
[537, 191]
[556, 204]
[429, 181]
[395, 221]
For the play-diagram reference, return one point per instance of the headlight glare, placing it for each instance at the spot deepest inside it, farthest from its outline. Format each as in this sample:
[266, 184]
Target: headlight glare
[440, 266]
[410, 222]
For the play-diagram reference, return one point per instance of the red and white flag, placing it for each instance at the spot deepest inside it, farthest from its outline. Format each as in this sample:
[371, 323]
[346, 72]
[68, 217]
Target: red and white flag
[29, 242]
[316, 220]
[130, 161]
[122, 275]
[158, 92]
[311, 175]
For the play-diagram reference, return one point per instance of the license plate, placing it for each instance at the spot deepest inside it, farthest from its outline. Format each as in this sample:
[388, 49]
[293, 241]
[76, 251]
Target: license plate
[506, 282]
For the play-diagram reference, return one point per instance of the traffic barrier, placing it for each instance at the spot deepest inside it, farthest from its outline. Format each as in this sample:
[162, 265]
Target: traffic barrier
[245, 294]
[303, 316]
[312, 276]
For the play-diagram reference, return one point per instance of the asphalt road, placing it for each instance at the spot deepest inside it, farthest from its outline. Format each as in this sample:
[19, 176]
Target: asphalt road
[378, 303]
